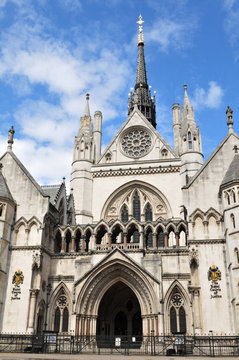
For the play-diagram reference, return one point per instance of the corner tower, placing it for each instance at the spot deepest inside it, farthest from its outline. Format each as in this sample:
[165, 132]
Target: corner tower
[142, 95]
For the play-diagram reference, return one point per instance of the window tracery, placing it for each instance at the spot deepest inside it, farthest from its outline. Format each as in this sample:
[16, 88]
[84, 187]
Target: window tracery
[61, 315]
[177, 313]
[136, 143]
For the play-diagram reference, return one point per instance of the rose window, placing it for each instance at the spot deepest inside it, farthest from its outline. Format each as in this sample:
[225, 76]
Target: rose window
[136, 143]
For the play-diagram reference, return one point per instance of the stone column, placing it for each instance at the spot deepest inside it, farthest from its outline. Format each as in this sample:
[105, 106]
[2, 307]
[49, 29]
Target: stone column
[32, 308]
[63, 244]
[73, 243]
[156, 326]
[141, 239]
[154, 240]
[177, 239]
[165, 239]
[109, 239]
[77, 325]
[125, 240]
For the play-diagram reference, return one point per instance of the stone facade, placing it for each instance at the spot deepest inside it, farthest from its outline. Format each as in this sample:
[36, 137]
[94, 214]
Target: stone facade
[147, 241]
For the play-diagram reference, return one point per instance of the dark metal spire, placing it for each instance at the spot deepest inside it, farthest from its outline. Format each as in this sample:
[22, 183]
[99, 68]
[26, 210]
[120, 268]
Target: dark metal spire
[142, 95]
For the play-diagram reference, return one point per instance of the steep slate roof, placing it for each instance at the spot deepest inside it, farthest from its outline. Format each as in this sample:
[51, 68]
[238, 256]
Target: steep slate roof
[232, 173]
[52, 191]
[4, 190]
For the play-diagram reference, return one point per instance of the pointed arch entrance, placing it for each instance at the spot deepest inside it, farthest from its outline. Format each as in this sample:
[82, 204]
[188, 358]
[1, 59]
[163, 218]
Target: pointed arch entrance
[122, 286]
[119, 312]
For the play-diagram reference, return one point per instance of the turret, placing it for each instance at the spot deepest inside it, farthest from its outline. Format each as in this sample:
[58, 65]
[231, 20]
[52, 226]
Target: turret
[97, 135]
[81, 181]
[176, 128]
[142, 95]
[190, 148]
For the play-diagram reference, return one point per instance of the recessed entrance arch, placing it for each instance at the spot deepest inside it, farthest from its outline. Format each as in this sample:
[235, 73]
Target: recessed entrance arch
[117, 274]
[119, 312]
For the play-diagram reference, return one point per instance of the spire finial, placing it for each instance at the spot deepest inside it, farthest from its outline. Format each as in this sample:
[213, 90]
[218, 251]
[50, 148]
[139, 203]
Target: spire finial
[229, 113]
[11, 133]
[141, 35]
[87, 107]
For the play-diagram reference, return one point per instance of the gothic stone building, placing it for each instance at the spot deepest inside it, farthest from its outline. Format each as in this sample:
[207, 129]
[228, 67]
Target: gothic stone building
[146, 242]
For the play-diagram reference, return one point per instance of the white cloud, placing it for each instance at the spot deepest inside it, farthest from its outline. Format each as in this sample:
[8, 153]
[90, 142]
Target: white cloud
[231, 28]
[169, 33]
[210, 98]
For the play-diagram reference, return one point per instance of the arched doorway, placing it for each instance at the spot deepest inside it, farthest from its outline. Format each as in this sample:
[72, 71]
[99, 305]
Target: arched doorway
[119, 312]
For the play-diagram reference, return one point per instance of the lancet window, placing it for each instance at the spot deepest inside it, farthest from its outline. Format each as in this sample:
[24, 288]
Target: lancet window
[148, 213]
[136, 206]
[61, 315]
[124, 214]
[190, 144]
[177, 313]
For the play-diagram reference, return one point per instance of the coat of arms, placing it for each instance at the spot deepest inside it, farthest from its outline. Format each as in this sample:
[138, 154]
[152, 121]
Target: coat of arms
[18, 277]
[214, 273]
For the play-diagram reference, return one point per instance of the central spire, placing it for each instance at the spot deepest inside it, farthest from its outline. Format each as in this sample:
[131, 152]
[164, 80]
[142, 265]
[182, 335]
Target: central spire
[142, 95]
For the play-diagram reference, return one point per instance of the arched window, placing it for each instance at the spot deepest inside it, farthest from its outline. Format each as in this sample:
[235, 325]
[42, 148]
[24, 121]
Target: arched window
[160, 238]
[57, 243]
[233, 223]
[148, 213]
[124, 214]
[173, 320]
[190, 140]
[61, 316]
[65, 320]
[136, 206]
[182, 320]
[68, 241]
[57, 319]
[177, 313]
[149, 238]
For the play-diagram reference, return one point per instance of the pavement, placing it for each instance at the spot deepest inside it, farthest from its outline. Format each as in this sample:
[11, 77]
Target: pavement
[10, 356]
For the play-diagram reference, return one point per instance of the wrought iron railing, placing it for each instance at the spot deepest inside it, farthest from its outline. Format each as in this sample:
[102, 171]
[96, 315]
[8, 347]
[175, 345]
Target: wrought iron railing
[127, 345]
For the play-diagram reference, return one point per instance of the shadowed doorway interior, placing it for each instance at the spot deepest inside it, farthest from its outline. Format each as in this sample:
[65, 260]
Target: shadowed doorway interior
[119, 312]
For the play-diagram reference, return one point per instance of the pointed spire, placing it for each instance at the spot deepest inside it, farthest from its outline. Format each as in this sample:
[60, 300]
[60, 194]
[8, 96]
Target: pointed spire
[10, 138]
[229, 113]
[142, 95]
[187, 109]
[87, 107]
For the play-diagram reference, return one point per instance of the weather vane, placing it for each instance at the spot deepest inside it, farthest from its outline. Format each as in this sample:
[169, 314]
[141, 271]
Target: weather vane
[141, 36]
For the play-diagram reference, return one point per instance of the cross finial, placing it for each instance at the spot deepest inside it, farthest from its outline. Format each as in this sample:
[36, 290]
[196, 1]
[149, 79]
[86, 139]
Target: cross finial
[235, 148]
[141, 35]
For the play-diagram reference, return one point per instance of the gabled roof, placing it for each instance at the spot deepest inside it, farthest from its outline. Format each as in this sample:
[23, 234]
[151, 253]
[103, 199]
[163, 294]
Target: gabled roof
[26, 172]
[232, 173]
[52, 191]
[191, 181]
[147, 124]
[4, 190]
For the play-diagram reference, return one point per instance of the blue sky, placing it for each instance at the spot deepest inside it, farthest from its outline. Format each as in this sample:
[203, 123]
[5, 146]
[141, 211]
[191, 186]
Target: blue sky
[52, 52]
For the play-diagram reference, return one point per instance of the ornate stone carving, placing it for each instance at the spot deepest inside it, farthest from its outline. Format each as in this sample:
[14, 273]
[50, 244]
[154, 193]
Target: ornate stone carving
[193, 256]
[36, 259]
[136, 143]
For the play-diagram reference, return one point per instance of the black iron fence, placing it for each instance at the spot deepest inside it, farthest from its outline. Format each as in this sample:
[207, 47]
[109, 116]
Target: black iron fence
[124, 345]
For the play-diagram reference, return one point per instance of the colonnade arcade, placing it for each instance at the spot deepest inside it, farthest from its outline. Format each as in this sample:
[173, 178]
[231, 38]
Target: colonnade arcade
[133, 235]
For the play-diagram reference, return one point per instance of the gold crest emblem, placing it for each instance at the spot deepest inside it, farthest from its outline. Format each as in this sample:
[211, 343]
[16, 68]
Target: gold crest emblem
[214, 274]
[18, 277]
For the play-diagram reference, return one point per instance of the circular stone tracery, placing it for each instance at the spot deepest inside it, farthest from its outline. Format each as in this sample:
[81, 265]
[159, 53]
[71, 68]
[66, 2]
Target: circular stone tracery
[136, 143]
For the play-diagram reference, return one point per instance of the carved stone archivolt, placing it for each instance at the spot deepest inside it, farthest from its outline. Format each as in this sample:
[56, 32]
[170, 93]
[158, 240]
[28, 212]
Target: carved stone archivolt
[124, 196]
[89, 297]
